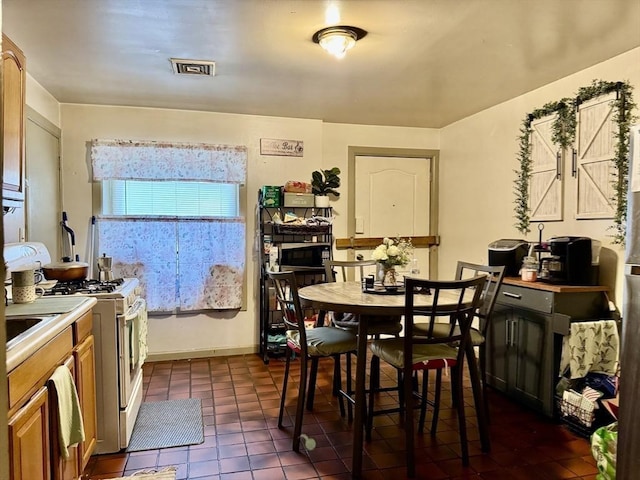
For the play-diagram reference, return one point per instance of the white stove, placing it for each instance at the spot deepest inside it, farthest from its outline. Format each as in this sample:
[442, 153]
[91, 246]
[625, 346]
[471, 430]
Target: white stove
[125, 291]
[120, 335]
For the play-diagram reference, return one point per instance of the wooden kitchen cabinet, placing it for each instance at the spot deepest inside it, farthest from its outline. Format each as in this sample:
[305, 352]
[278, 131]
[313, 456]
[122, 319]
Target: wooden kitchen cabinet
[62, 469]
[525, 339]
[13, 121]
[86, 385]
[29, 439]
[33, 436]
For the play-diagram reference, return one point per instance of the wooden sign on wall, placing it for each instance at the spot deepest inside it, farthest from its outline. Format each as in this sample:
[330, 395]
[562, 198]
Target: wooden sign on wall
[282, 148]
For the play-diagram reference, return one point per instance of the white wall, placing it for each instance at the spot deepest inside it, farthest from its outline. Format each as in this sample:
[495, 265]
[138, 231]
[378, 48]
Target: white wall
[477, 164]
[325, 146]
[42, 101]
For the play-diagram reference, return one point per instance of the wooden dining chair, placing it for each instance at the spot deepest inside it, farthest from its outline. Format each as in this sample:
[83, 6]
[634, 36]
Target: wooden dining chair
[309, 344]
[454, 301]
[477, 335]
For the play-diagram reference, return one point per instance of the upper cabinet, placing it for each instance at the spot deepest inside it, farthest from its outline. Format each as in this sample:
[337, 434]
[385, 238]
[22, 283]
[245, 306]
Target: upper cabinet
[13, 121]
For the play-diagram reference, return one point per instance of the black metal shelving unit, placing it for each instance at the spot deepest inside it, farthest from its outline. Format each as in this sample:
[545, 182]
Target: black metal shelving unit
[292, 238]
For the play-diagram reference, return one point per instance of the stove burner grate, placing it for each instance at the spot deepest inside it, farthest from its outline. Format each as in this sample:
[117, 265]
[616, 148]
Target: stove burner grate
[84, 287]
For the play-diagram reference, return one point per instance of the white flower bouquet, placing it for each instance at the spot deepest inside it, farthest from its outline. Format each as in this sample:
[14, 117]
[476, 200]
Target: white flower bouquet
[392, 252]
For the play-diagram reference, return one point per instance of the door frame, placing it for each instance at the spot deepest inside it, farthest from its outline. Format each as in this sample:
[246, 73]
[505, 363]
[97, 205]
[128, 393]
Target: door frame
[434, 155]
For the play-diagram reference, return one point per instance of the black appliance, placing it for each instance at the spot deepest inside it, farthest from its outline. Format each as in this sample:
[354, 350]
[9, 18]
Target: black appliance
[572, 261]
[304, 254]
[508, 252]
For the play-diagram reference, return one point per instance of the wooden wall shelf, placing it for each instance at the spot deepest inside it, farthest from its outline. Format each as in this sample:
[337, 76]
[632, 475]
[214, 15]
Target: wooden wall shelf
[371, 243]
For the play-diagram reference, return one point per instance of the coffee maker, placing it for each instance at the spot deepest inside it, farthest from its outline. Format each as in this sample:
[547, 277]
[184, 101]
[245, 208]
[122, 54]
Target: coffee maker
[105, 274]
[572, 261]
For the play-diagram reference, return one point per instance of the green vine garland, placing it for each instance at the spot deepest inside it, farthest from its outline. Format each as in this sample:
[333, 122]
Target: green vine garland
[562, 134]
[563, 131]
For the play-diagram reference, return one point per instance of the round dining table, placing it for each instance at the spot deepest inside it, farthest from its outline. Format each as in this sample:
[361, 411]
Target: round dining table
[349, 297]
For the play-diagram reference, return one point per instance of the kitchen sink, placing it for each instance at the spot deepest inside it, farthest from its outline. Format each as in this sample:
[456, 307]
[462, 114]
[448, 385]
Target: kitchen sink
[21, 327]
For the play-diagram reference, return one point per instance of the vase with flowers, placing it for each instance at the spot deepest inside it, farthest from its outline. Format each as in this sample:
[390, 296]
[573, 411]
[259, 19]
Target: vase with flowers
[391, 253]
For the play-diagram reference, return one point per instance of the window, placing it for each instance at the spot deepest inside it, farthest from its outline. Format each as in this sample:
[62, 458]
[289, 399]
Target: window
[171, 218]
[173, 198]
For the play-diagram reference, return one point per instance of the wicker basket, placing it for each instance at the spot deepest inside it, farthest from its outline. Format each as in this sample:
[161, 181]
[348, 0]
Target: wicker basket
[580, 421]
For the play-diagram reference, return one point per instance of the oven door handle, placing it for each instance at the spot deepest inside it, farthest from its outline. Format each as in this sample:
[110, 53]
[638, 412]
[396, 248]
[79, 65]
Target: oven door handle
[132, 314]
[134, 311]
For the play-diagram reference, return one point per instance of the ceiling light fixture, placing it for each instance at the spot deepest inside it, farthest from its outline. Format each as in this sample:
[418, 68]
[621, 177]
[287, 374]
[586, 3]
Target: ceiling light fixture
[337, 40]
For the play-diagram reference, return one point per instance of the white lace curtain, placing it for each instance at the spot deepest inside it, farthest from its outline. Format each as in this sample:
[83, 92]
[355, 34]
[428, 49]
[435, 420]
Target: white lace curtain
[183, 264]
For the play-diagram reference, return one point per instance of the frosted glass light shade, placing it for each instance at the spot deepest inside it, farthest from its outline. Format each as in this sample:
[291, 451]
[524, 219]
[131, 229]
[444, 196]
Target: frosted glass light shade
[337, 42]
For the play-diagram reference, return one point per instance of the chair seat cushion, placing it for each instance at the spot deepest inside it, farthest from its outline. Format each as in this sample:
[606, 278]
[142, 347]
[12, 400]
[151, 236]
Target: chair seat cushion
[323, 341]
[376, 324]
[425, 357]
[442, 330]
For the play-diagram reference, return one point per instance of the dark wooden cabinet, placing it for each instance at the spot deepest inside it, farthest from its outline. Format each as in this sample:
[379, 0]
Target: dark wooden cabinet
[518, 344]
[525, 339]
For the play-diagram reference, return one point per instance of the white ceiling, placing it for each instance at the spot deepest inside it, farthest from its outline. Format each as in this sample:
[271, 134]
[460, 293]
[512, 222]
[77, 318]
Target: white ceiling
[424, 63]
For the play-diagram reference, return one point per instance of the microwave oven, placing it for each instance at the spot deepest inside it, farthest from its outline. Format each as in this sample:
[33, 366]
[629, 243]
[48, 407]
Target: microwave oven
[303, 254]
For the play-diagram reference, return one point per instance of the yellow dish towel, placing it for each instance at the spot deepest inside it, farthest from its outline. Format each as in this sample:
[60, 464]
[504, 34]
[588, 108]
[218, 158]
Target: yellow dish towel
[591, 347]
[71, 428]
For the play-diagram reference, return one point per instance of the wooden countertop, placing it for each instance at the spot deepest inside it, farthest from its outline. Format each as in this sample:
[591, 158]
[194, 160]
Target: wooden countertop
[549, 287]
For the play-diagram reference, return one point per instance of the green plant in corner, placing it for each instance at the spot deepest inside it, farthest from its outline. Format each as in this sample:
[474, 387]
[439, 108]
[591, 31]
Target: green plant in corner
[325, 182]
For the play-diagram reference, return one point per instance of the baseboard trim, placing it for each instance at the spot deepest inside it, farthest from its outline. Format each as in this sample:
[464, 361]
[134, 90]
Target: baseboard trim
[217, 352]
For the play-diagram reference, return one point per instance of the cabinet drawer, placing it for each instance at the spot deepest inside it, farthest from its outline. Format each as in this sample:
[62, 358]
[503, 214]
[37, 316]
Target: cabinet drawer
[82, 327]
[538, 300]
[33, 372]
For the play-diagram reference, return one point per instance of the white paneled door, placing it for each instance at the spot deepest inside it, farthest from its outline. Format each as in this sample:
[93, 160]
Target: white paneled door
[392, 199]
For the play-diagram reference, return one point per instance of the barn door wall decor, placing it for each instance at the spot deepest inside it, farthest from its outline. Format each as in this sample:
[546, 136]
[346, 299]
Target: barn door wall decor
[545, 198]
[593, 130]
[594, 167]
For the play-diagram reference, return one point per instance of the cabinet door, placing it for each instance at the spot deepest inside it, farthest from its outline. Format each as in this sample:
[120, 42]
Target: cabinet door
[13, 98]
[529, 334]
[62, 468]
[29, 439]
[86, 385]
[498, 347]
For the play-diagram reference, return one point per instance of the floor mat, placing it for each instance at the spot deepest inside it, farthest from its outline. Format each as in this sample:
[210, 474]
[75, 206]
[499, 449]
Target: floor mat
[170, 423]
[167, 473]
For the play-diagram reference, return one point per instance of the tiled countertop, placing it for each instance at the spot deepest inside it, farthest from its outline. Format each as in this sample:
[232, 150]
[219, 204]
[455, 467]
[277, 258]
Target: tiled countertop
[40, 334]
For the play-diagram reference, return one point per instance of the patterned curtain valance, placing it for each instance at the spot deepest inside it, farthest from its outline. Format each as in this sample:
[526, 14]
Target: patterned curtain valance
[147, 160]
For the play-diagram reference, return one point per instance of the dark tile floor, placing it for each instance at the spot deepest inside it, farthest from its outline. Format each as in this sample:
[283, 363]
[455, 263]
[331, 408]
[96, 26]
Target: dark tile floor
[240, 397]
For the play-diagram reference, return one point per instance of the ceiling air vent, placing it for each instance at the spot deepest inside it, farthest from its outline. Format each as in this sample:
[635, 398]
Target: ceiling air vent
[193, 67]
